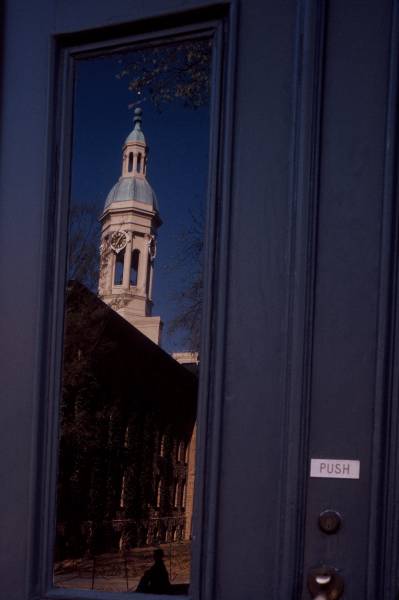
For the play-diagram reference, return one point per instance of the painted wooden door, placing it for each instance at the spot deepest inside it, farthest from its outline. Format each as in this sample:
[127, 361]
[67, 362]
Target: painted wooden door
[300, 353]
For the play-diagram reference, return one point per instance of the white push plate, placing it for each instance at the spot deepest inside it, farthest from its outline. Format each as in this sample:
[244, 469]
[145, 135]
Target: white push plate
[335, 469]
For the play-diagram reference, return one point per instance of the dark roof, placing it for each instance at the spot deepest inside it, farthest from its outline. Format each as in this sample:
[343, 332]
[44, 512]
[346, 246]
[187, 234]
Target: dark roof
[127, 362]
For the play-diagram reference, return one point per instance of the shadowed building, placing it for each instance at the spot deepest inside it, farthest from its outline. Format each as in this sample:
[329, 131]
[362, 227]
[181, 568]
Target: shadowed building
[127, 417]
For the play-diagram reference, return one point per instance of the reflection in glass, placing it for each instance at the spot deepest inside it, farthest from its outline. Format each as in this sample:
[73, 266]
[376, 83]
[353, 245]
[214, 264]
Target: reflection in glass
[134, 267]
[132, 319]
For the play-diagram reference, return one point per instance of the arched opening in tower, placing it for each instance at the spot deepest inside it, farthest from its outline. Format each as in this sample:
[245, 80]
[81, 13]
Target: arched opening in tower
[148, 280]
[130, 165]
[118, 274]
[134, 269]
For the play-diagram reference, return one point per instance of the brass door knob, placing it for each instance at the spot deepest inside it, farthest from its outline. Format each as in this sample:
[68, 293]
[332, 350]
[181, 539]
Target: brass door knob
[325, 583]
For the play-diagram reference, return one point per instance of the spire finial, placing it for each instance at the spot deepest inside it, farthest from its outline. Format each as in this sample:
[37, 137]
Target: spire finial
[137, 118]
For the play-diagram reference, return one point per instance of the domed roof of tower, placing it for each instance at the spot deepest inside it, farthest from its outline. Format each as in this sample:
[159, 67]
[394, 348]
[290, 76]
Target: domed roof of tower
[132, 188]
[133, 184]
[136, 135]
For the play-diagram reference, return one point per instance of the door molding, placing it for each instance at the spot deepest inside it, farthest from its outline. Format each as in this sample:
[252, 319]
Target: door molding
[305, 165]
[383, 582]
[218, 22]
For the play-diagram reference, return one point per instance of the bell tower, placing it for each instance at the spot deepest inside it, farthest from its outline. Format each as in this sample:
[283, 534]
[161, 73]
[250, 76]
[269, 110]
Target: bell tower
[130, 221]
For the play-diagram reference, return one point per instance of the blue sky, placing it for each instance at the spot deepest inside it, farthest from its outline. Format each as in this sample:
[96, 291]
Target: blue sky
[178, 138]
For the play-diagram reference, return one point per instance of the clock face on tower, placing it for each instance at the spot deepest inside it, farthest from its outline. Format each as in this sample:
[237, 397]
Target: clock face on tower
[118, 241]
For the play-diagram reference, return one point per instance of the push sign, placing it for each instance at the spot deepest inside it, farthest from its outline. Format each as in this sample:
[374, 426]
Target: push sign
[335, 469]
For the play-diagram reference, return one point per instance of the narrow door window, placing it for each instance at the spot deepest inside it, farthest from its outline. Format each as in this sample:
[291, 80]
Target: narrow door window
[132, 319]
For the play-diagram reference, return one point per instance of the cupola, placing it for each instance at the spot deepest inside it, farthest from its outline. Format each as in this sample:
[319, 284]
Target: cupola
[133, 184]
[135, 150]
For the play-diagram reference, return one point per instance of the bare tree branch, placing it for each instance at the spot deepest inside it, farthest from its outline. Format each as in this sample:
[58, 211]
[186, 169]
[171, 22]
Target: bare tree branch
[188, 300]
[84, 234]
[162, 74]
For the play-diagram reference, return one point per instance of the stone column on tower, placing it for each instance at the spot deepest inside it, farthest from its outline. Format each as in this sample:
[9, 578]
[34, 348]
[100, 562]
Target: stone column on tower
[127, 263]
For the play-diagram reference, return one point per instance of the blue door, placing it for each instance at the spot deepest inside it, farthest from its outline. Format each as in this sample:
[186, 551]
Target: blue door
[297, 446]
